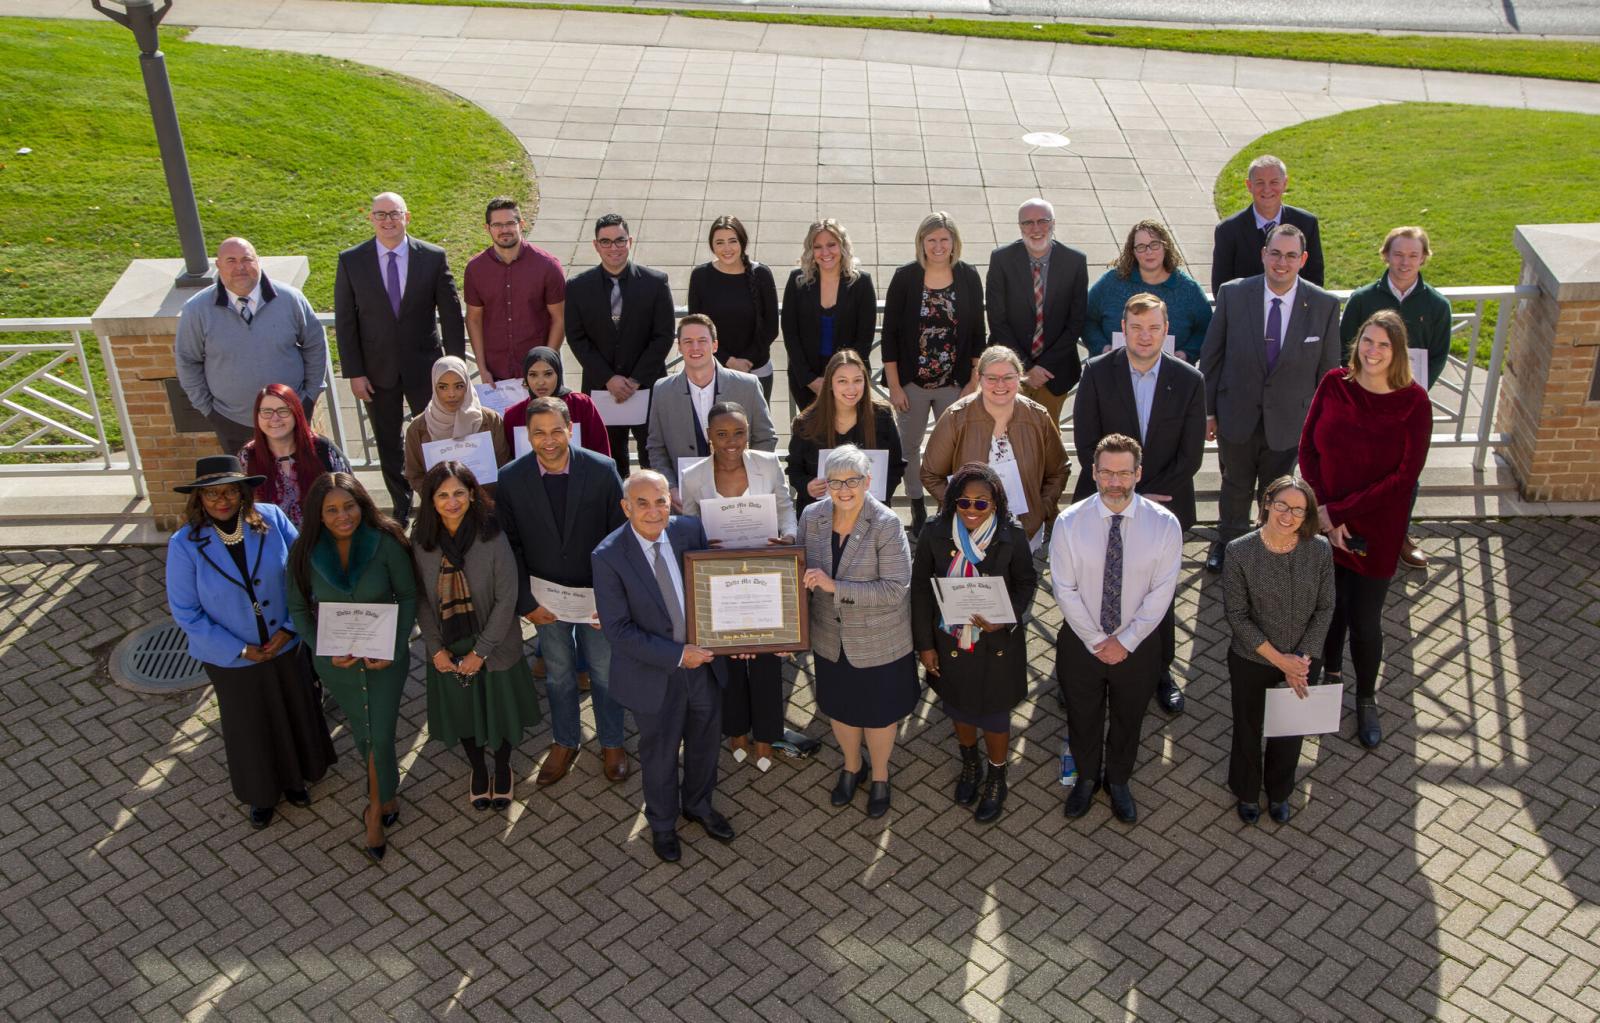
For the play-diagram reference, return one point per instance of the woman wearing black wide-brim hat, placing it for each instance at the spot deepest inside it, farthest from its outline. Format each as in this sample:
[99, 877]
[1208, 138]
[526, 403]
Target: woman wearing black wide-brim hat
[227, 588]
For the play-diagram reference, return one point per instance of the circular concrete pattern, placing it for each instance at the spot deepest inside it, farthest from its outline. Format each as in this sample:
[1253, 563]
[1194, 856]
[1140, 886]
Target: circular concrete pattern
[155, 660]
[1046, 139]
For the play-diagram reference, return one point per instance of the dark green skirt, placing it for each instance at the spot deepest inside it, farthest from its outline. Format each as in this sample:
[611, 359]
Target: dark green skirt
[493, 708]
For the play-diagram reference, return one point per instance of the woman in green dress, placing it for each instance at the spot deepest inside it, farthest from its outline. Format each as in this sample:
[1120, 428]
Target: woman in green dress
[351, 553]
[480, 689]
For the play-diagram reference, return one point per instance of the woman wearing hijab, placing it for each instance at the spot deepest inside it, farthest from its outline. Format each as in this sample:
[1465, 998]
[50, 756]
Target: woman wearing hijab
[542, 373]
[453, 413]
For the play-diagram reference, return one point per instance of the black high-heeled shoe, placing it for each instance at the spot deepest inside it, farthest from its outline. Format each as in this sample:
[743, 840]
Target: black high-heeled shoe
[845, 789]
[391, 818]
[373, 852]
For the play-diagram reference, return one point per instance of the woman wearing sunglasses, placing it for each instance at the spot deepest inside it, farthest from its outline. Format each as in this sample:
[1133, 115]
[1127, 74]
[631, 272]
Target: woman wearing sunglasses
[978, 668]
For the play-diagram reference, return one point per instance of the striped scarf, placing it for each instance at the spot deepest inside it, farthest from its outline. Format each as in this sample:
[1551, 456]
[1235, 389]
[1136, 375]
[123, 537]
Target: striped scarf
[968, 553]
[457, 618]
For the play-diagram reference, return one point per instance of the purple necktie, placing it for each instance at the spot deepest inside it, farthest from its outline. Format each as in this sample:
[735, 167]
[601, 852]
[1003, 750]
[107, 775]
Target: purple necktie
[1274, 333]
[391, 283]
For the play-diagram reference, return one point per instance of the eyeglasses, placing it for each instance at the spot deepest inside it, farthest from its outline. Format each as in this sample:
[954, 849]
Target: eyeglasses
[395, 215]
[997, 381]
[973, 504]
[1149, 247]
[1282, 508]
[613, 243]
[1029, 225]
[270, 414]
[853, 482]
[214, 494]
[1116, 476]
[504, 225]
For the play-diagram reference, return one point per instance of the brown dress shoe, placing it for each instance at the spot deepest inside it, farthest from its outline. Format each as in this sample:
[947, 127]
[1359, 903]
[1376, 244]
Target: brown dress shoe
[556, 764]
[616, 760]
[583, 682]
[1411, 555]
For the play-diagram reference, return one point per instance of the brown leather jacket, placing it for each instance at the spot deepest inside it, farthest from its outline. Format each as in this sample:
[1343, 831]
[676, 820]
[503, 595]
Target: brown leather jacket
[963, 435]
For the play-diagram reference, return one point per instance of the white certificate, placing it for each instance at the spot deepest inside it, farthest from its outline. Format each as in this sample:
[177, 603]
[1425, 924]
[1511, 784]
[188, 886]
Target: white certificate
[633, 412]
[1287, 714]
[1419, 366]
[501, 395]
[357, 630]
[752, 601]
[475, 451]
[1170, 345]
[568, 603]
[880, 469]
[960, 599]
[1011, 480]
[748, 521]
[520, 445]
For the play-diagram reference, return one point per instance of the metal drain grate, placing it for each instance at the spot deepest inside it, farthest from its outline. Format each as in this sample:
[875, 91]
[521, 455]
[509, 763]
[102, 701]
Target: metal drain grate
[155, 659]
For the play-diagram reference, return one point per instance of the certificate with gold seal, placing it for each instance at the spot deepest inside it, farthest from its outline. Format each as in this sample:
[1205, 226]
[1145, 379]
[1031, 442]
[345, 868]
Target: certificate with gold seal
[747, 601]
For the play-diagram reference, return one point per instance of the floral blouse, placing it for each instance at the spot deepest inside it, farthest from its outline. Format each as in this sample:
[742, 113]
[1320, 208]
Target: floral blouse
[936, 347]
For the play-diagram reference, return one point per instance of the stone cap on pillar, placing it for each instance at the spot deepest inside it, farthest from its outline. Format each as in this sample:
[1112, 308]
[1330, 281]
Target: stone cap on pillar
[145, 301]
[1564, 258]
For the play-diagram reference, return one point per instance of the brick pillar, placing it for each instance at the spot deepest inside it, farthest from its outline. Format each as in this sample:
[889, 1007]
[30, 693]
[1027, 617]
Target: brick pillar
[137, 325]
[1549, 403]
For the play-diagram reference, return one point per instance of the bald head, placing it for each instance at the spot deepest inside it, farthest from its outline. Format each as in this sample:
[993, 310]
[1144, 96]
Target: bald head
[389, 218]
[237, 266]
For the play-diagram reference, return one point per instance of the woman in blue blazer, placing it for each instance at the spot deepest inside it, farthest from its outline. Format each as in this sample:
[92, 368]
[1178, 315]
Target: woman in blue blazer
[226, 586]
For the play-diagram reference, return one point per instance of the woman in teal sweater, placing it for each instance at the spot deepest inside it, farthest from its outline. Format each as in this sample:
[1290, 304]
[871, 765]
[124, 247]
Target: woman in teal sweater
[350, 553]
[1149, 262]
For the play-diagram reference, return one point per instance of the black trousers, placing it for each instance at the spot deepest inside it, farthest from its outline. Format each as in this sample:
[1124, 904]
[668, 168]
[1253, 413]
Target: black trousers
[753, 700]
[1167, 634]
[386, 413]
[1247, 468]
[1358, 612]
[690, 716]
[618, 435]
[1247, 767]
[1089, 687]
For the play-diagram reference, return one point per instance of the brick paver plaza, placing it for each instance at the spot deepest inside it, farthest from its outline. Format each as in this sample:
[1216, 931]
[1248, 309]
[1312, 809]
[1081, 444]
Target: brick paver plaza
[1450, 874]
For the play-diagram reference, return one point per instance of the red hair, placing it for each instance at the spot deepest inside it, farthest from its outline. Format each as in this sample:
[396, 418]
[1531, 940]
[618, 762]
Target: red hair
[258, 454]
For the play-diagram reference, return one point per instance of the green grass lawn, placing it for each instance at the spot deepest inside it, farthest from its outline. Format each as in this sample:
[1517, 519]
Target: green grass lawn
[1466, 174]
[286, 150]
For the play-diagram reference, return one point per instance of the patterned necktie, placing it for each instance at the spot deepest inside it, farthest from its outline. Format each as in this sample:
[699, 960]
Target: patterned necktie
[1111, 590]
[1274, 333]
[669, 594]
[244, 308]
[391, 282]
[1038, 309]
[1266, 230]
[616, 300]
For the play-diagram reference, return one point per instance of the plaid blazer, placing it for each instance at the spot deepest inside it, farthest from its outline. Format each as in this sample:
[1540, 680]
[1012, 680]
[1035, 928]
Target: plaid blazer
[870, 615]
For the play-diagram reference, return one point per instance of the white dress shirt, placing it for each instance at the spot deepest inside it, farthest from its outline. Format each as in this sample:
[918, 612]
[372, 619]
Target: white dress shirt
[254, 299]
[703, 398]
[1396, 292]
[1152, 554]
[1267, 295]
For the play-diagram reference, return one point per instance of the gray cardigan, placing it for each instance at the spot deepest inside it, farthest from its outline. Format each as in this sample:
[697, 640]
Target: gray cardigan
[492, 575]
[1286, 599]
[223, 361]
[870, 615]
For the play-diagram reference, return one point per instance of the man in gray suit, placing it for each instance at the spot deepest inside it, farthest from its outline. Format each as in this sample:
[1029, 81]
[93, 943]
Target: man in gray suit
[1271, 341]
[680, 403]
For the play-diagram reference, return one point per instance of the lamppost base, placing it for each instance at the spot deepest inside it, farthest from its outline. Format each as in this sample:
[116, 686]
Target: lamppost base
[193, 280]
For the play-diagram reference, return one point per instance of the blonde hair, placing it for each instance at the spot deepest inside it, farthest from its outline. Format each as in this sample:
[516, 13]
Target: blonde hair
[847, 262]
[936, 222]
[1412, 232]
[1388, 321]
[999, 353]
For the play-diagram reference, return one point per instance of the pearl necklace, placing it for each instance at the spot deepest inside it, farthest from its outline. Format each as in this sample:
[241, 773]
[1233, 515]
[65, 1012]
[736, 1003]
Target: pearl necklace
[1293, 543]
[232, 538]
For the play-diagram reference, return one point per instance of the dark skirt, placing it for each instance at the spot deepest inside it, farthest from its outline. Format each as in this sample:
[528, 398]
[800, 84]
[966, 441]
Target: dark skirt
[873, 697]
[494, 708]
[273, 733]
[999, 722]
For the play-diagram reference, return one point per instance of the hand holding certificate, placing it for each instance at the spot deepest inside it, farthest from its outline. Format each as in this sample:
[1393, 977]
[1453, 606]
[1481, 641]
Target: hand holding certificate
[1289, 714]
[357, 630]
[475, 451]
[633, 412]
[981, 595]
[748, 521]
[573, 604]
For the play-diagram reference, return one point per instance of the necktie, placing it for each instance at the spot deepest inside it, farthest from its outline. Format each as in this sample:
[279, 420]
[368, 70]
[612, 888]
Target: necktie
[1266, 230]
[391, 282]
[616, 300]
[1111, 590]
[244, 308]
[1274, 333]
[668, 593]
[1038, 309]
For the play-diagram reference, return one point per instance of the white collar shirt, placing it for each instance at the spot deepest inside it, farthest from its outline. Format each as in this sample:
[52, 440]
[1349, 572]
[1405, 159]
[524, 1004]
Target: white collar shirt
[1152, 556]
[1396, 292]
[1283, 311]
[402, 261]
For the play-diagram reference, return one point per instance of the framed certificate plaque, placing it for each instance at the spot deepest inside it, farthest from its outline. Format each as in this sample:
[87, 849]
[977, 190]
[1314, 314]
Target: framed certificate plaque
[747, 601]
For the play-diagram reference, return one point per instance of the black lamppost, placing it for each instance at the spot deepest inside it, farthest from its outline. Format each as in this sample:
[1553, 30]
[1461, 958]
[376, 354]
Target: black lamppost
[142, 18]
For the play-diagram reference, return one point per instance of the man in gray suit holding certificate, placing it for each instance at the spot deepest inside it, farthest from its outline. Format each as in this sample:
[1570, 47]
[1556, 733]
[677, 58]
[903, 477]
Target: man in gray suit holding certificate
[1271, 341]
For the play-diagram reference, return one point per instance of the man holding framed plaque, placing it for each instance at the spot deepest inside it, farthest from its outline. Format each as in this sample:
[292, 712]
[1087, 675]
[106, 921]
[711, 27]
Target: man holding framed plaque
[673, 687]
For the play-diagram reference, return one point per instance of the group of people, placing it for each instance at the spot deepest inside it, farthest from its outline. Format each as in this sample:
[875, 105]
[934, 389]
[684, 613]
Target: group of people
[553, 502]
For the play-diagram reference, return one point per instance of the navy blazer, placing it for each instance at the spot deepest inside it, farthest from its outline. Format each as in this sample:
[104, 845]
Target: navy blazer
[634, 617]
[594, 508]
[208, 599]
[1237, 243]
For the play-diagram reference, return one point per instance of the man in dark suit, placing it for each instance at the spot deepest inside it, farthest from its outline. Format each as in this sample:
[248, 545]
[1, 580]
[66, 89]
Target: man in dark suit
[556, 504]
[1270, 343]
[619, 323]
[386, 292]
[674, 688]
[1037, 295]
[1140, 391]
[1238, 241]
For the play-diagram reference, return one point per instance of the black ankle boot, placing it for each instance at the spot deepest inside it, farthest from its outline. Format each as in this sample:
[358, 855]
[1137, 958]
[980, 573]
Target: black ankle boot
[971, 775]
[994, 795]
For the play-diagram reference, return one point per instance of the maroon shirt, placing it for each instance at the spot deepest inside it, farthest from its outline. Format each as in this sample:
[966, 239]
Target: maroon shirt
[515, 297]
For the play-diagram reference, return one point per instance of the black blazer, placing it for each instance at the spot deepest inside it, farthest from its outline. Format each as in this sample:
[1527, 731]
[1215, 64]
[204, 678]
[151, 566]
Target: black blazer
[993, 676]
[637, 347]
[855, 317]
[1237, 245]
[1176, 439]
[803, 468]
[594, 509]
[1009, 293]
[902, 317]
[372, 342]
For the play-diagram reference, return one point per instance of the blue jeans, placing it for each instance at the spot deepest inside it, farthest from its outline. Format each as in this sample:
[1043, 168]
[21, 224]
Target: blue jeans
[561, 642]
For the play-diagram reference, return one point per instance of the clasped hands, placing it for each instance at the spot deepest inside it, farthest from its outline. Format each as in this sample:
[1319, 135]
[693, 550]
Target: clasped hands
[372, 663]
[1337, 535]
[273, 647]
[469, 665]
[1296, 671]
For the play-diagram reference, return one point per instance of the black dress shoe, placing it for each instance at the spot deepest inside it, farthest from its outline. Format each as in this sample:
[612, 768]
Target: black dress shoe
[1081, 797]
[297, 797]
[391, 818]
[1280, 812]
[878, 799]
[665, 843]
[1122, 802]
[716, 825]
[845, 789]
[375, 852]
[1168, 695]
[1250, 812]
[260, 816]
[1214, 558]
[1367, 729]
